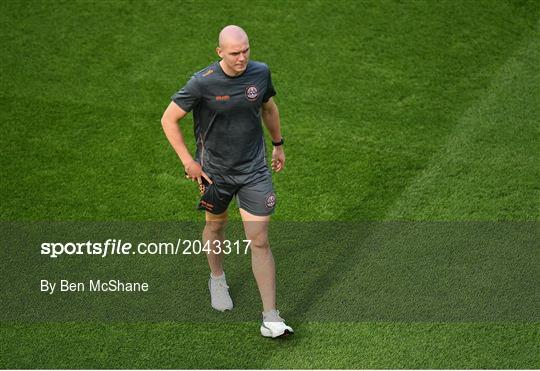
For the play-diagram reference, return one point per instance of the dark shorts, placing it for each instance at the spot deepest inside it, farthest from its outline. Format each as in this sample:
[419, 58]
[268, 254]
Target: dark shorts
[255, 194]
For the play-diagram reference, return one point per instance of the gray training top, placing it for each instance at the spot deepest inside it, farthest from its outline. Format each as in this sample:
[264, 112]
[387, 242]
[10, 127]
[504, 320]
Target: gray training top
[227, 115]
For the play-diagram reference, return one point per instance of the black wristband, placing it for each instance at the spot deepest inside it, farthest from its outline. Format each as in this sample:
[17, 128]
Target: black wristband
[277, 144]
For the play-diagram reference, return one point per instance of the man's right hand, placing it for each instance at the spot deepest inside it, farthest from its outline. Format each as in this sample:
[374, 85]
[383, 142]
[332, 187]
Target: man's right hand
[194, 172]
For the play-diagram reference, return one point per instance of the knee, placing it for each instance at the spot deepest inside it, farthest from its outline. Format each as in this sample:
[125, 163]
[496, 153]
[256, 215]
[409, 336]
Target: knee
[215, 226]
[260, 242]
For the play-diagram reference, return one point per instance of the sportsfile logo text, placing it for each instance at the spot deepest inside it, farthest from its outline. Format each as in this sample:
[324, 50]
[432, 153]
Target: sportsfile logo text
[118, 247]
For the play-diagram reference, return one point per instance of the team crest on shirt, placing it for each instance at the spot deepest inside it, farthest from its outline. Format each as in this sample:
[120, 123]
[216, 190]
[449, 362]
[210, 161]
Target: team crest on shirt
[252, 93]
[270, 201]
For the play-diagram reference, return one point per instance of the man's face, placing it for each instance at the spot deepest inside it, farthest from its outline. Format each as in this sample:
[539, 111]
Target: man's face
[235, 55]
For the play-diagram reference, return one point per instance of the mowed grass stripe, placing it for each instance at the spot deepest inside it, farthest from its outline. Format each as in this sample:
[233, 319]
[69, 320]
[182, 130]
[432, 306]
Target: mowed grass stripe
[492, 152]
[493, 145]
[488, 169]
[231, 346]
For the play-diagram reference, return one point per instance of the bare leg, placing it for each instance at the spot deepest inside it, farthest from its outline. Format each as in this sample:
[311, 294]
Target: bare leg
[262, 261]
[214, 230]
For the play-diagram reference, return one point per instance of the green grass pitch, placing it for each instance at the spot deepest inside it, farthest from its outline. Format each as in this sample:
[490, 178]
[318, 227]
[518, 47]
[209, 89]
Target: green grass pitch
[391, 110]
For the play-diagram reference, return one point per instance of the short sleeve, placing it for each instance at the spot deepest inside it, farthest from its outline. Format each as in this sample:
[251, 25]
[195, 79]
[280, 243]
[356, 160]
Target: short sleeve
[189, 96]
[270, 91]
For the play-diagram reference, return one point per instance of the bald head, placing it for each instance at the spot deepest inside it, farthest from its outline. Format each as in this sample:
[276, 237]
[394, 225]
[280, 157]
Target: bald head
[234, 50]
[232, 35]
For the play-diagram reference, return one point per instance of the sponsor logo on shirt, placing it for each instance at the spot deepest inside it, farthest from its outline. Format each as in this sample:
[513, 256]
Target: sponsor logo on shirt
[209, 72]
[222, 98]
[252, 93]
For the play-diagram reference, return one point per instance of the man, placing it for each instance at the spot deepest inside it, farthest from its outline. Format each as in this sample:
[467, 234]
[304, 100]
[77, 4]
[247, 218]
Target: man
[228, 99]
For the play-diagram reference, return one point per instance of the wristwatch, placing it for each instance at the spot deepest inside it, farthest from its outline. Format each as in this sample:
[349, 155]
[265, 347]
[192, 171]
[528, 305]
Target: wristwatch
[277, 144]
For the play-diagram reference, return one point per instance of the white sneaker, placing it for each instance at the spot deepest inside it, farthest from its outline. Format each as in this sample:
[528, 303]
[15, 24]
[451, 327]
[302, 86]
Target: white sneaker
[219, 294]
[274, 326]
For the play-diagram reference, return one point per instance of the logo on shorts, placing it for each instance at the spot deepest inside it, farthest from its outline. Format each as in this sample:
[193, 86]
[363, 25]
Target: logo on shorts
[252, 93]
[270, 201]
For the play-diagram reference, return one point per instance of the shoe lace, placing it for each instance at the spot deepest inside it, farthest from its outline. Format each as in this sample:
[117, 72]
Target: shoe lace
[222, 284]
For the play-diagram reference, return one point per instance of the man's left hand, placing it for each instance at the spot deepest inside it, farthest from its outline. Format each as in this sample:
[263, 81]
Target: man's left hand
[278, 159]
